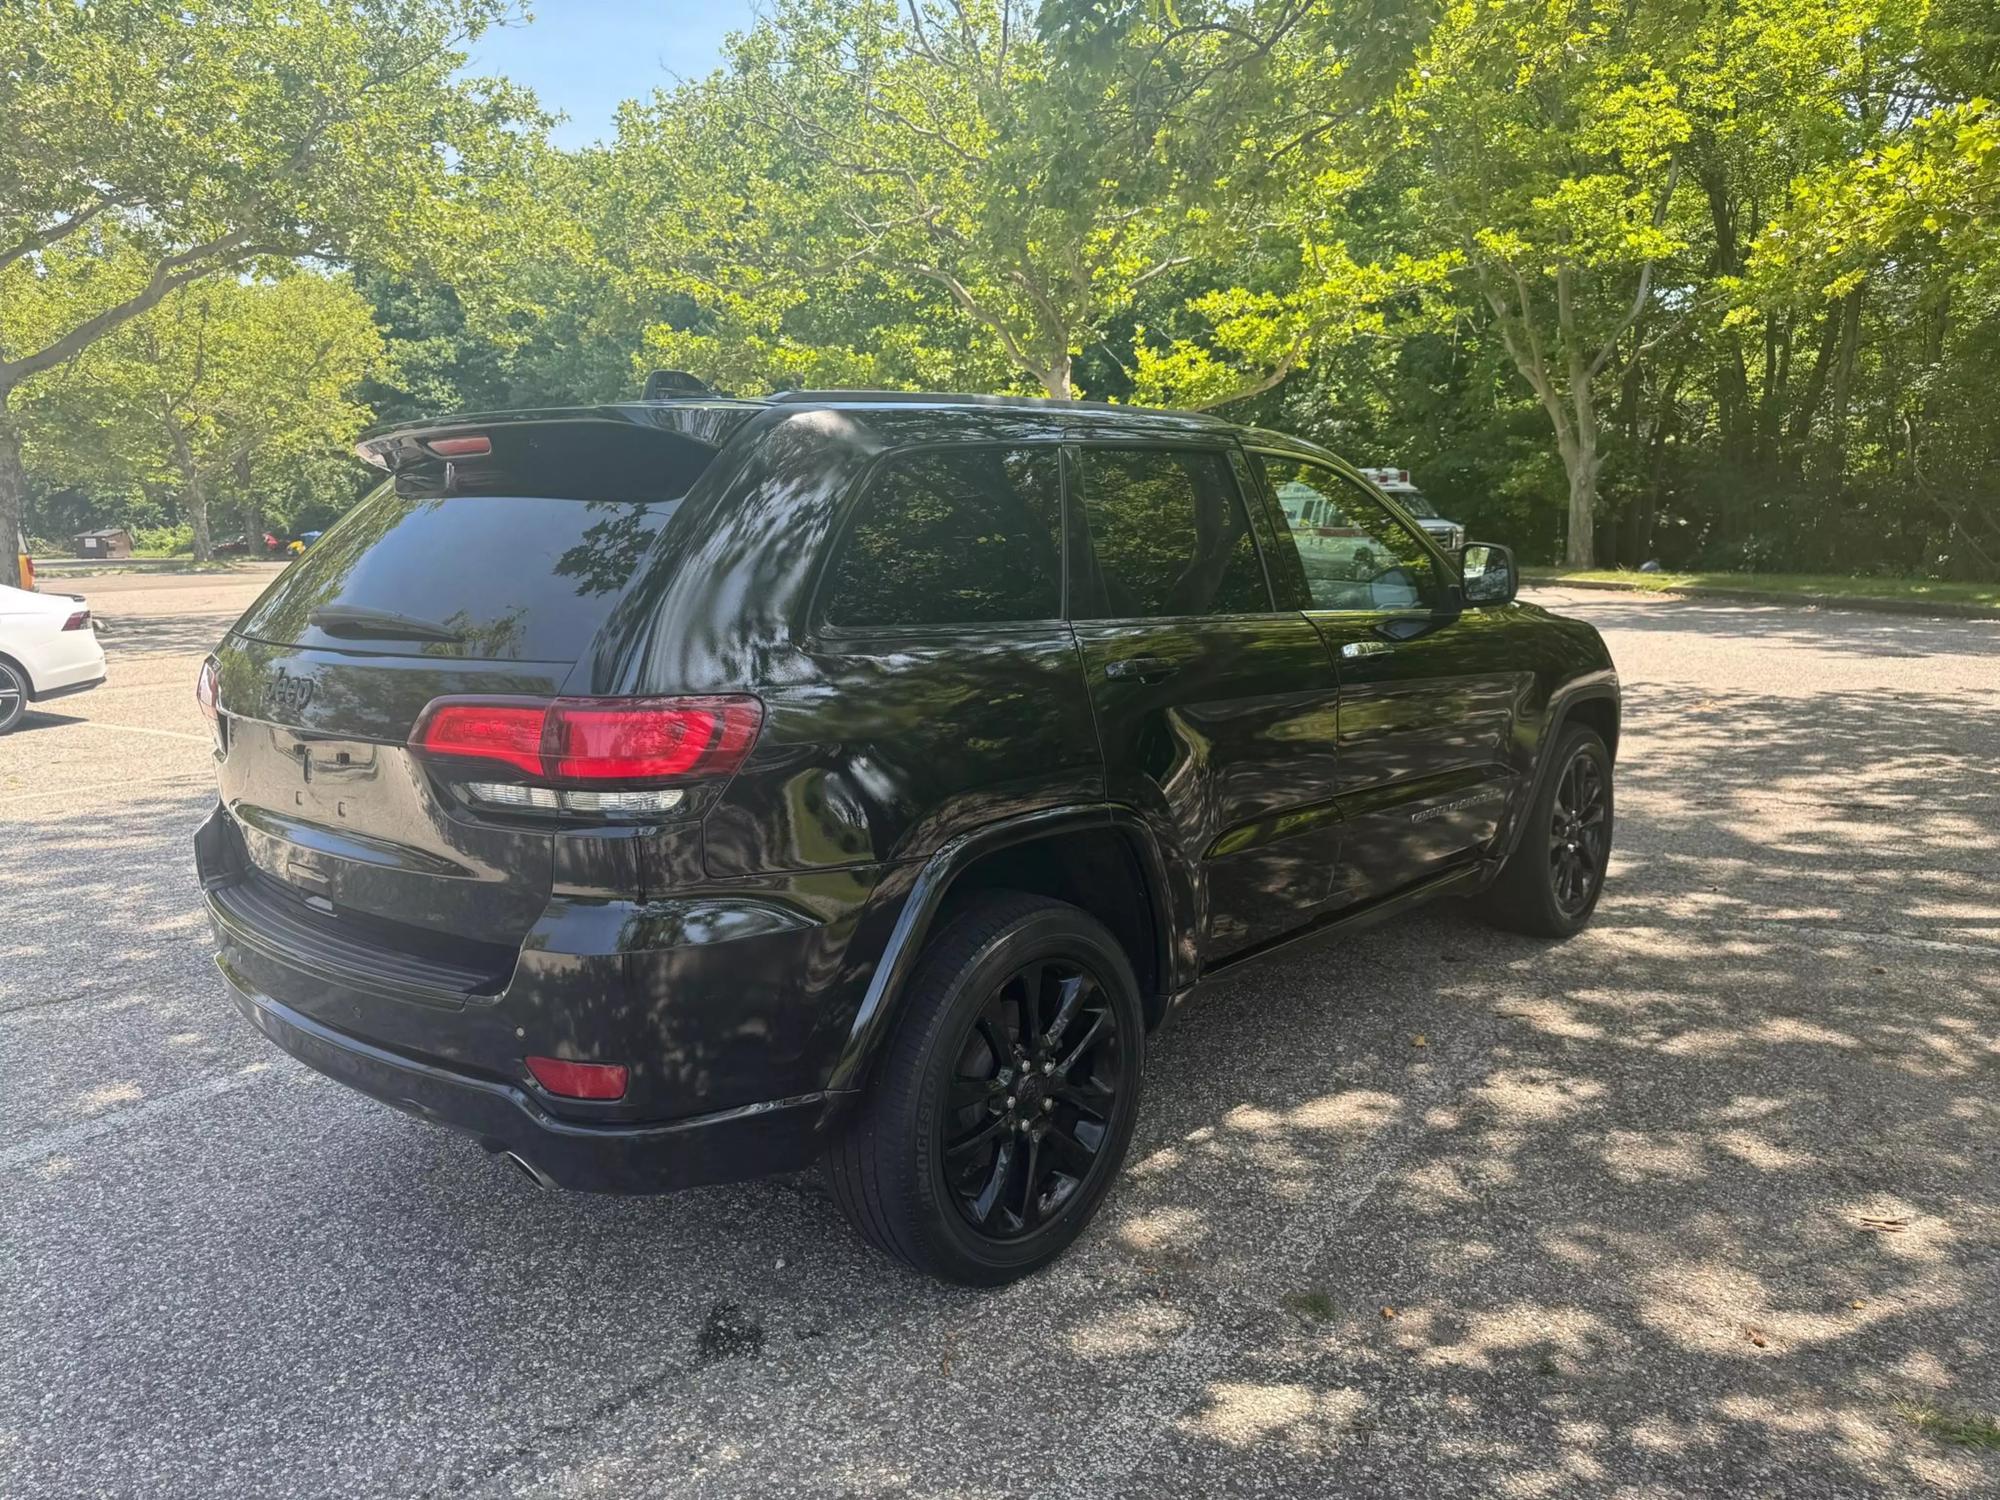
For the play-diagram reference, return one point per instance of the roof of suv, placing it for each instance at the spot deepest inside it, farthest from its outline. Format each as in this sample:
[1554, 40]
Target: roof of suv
[707, 421]
[1005, 403]
[697, 416]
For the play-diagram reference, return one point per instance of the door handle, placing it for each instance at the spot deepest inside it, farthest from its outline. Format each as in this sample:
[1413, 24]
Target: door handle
[1142, 669]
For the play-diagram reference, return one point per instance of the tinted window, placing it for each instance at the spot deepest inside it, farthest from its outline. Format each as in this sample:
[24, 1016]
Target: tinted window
[507, 577]
[1169, 535]
[957, 536]
[1356, 555]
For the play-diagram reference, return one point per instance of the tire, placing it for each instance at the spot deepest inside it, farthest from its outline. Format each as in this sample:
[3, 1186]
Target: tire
[1536, 891]
[955, 1073]
[13, 694]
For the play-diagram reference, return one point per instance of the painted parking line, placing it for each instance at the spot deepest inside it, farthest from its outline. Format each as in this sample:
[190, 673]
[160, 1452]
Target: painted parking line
[165, 734]
[127, 783]
[67, 1138]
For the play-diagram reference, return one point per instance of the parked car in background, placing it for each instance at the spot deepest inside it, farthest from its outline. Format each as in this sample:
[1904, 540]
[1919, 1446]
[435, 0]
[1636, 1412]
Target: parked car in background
[1396, 484]
[48, 649]
[266, 545]
[678, 791]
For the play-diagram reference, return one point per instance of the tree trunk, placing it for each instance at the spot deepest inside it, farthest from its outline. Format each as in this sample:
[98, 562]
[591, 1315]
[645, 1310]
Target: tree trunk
[13, 493]
[1057, 378]
[1581, 460]
[1582, 457]
[1843, 377]
[1799, 429]
[1777, 377]
[194, 498]
[253, 507]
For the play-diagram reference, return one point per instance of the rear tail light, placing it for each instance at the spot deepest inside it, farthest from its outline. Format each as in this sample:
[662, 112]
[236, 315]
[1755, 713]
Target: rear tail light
[579, 1080]
[207, 692]
[78, 621]
[590, 755]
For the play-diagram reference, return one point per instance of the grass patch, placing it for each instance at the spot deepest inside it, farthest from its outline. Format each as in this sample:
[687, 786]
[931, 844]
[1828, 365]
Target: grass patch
[1831, 585]
[1316, 1307]
[1966, 1429]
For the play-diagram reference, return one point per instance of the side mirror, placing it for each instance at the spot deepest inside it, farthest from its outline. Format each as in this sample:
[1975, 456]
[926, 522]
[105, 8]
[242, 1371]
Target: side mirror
[1489, 573]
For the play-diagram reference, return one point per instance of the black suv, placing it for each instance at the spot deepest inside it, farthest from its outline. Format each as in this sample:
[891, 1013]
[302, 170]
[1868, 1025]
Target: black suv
[680, 791]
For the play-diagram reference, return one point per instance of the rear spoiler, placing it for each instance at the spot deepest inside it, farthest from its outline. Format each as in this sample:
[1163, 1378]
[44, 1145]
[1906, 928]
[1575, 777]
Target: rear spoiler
[617, 453]
[427, 444]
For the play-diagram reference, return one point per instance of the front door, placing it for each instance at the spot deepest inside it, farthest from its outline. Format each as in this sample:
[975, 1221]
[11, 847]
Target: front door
[1217, 712]
[1427, 690]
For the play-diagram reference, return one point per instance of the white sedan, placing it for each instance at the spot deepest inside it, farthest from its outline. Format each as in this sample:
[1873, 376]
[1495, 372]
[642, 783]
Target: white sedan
[48, 649]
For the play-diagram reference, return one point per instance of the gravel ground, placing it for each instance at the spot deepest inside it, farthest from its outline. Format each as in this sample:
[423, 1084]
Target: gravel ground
[1706, 1201]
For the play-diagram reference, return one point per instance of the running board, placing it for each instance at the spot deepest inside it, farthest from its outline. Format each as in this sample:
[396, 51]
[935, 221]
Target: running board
[1466, 877]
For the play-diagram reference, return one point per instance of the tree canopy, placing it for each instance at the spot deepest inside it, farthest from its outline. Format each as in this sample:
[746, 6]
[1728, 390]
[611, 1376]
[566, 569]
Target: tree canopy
[1712, 281]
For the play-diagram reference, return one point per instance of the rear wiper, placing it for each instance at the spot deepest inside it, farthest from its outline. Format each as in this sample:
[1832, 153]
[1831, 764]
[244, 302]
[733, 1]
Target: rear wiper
[379, 624]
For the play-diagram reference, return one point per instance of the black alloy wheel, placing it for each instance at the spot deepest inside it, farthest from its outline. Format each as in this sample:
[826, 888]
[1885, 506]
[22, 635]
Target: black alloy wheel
[13, 695]
[1577, 828]
[994, 1122]
[1033, 1096]
[1552, 879]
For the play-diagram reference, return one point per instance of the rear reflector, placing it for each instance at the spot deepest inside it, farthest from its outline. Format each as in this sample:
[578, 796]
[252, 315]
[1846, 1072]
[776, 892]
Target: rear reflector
[579, 1080]
[594, 741]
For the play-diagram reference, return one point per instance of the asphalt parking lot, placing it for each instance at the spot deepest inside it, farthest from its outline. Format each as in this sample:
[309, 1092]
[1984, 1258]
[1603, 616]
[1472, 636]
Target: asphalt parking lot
[1705, 1201]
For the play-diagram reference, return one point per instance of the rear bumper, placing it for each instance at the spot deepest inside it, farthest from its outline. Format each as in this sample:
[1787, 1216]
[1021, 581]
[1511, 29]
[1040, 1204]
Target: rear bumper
[72, 661]
[69, 688]
[782, 1135]
[713, 1097]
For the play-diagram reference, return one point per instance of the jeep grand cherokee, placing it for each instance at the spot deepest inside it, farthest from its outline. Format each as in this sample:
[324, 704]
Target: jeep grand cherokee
[683, 790]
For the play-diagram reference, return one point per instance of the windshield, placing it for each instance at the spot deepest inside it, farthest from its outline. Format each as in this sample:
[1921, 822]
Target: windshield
[1414, 502]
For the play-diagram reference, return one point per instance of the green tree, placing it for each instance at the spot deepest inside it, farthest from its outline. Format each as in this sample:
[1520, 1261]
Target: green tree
[1548, 144]
[223, 389]
[207, 137]
[871, 188]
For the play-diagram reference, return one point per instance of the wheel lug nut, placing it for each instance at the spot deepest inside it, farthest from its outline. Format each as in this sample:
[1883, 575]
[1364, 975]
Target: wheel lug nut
[1048, 1067]
[1010, 1101]
[1047, 1105]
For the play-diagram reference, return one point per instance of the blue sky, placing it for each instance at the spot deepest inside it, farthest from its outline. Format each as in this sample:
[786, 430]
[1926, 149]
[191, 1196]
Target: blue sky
[584, 56]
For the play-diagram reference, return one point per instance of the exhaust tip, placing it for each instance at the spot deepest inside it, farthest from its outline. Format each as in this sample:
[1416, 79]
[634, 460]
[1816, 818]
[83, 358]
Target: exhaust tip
[528, 1169]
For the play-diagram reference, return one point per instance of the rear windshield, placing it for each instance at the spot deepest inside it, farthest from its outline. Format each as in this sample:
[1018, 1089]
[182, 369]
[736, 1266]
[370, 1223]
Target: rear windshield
[497, 577]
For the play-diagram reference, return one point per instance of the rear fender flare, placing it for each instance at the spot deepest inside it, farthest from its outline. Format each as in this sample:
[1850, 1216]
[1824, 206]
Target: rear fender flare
[883, 1004]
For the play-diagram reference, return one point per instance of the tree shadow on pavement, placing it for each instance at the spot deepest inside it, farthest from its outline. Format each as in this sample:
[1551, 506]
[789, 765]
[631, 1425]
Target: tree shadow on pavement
[1702, 1201]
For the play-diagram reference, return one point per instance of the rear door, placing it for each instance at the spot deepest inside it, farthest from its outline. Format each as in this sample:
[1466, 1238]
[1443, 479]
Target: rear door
[943, 690]
[496, 583]
[1216, 709]
[1428, 691]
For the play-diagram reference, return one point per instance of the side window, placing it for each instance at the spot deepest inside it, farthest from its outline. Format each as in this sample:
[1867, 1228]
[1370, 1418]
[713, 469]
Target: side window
[954, 537]
[1169, 534]
[1356, 555]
